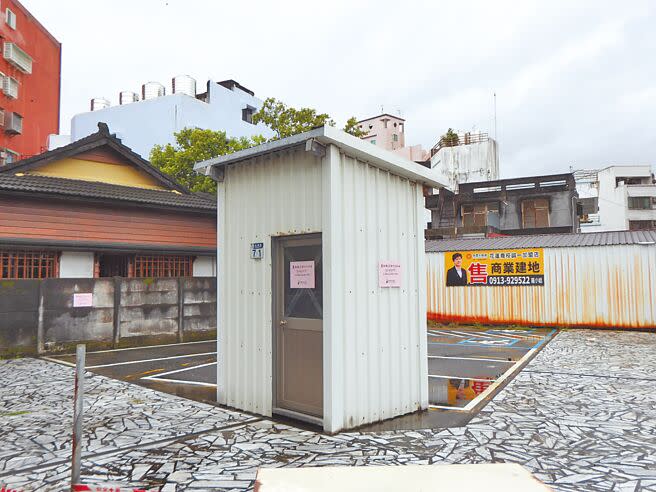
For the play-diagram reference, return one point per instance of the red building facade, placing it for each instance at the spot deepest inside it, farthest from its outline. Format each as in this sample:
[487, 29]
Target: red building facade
[30, 79]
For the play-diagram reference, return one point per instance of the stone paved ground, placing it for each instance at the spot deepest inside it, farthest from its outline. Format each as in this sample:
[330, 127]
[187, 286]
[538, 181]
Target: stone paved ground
[581, 416]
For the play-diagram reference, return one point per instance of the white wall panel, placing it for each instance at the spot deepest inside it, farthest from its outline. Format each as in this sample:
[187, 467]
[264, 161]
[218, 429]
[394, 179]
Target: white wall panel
[377, 334]
[271, 196]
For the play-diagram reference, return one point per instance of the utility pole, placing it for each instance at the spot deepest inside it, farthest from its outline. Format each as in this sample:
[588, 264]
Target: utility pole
[495, 117]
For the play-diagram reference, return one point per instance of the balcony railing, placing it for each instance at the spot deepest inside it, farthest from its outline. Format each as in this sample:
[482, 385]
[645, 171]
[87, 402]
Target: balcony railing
[466, 139]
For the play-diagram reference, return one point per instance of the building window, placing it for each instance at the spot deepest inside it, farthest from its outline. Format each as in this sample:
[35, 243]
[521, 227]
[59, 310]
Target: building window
[535, 213]
[10, 19]
[8, 156]
[247, 114]
[28, 264]
[640, 203]
[10, 87]
[395, 137]
[642, 225]
[373, 142]
[163, 266]
[476, 214]
[385, 123]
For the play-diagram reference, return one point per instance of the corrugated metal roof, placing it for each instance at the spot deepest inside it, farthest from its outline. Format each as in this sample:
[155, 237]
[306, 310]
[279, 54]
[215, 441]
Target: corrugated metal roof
[543, 241]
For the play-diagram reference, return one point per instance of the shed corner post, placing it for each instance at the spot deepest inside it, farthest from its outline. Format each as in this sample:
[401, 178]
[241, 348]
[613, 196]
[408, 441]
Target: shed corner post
[221, 364]
[333, 371]
[422, 308]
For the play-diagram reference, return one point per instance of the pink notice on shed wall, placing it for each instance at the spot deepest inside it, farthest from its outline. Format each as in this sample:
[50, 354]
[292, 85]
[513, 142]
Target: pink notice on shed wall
[389, 274]
[301, 274]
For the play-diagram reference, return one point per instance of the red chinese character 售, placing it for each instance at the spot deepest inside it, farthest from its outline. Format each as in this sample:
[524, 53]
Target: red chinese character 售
[478, 273]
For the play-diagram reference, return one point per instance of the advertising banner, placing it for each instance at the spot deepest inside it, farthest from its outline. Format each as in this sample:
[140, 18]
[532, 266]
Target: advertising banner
[494, 267]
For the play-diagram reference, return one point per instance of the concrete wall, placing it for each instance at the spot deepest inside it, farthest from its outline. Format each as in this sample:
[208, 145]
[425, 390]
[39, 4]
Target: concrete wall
[76, 264]
[561, 210]
[63, 322]
[143, 124]
[18, 313]
[35, 314]
[466, 163]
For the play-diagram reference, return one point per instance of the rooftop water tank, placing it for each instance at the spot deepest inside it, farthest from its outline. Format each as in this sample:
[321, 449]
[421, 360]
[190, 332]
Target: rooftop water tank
[184, 84]
[127, 97]
[151, 90]
[99, 103]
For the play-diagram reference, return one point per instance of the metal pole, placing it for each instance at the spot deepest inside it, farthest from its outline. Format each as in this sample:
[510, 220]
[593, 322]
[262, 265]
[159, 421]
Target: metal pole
[78, 413]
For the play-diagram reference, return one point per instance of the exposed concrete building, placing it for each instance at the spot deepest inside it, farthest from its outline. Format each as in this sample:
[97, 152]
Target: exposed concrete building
[142, 124]
[472, 157]
[618, 198]
[533, 205]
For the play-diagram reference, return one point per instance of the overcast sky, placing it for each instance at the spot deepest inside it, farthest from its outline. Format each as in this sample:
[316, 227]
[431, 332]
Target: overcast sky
[575, 81]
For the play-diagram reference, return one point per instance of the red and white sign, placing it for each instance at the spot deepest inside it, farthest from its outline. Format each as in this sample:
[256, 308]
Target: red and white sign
[301, 275]
[83, 300]
[389, 274]
[480, 386]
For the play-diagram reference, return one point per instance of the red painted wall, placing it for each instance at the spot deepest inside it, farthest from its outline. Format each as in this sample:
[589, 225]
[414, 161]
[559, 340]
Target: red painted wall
[38, 92]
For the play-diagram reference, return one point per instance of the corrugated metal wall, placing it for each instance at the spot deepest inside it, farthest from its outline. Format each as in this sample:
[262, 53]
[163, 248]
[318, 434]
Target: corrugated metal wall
[375, 361]
[377, 367]
[605, 286]
[270, 196]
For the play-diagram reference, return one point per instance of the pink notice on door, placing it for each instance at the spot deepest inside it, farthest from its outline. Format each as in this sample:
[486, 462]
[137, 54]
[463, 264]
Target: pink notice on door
[389, 274]
[301, 274]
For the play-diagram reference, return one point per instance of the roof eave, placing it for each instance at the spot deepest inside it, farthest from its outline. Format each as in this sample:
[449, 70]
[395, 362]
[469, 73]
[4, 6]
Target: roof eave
[326, 135]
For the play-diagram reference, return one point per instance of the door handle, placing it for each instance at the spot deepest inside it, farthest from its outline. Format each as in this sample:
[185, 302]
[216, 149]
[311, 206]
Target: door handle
[283, 322]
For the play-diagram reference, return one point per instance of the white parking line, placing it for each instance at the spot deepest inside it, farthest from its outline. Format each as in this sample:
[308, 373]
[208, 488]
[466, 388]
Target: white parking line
[180, 381]
[483, 359]
[149, 360]
[441, 376]
[490, 389]
[157, 376]
[445, 333]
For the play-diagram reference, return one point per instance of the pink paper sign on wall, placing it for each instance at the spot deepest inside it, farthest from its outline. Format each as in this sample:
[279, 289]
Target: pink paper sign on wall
[389, 274]
[301, 274]
[83, 300]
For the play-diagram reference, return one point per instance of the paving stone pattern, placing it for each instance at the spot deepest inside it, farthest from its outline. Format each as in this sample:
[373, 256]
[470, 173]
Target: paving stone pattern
[581, 416]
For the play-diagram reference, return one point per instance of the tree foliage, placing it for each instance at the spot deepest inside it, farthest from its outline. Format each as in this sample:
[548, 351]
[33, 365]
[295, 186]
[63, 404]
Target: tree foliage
[286, 121]
[193, 145]
[450, 138]
[352, 127]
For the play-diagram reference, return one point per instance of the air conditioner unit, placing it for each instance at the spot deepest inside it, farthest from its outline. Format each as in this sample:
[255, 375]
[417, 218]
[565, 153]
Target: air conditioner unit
[13, 123]
[10, 87]
[17, 57]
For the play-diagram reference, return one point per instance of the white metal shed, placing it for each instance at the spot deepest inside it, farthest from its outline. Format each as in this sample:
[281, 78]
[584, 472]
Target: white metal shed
[321, 280]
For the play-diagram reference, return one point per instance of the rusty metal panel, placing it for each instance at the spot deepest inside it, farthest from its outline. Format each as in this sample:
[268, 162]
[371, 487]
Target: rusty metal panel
[273, 195]
[594, 286]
